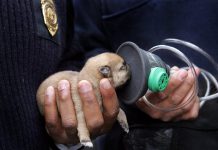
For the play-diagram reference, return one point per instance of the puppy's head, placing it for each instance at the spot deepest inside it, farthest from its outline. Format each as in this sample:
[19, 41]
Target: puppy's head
[111, 66]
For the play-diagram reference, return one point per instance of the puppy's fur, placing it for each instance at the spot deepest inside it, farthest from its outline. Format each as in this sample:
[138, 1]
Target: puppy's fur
[106, 65]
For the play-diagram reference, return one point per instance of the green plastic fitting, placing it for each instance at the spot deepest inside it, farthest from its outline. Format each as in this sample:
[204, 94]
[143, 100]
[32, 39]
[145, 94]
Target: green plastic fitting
[158, 79]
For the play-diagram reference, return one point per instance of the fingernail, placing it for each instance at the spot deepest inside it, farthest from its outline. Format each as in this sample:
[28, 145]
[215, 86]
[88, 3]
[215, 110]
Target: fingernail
[173, 69]
[198, 71]
[84, 86]
[50, 90]
[182, 74]
[62, 85]
[104, 83]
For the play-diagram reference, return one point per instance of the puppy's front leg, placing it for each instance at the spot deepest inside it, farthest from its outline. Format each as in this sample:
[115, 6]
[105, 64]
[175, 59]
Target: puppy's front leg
[82, 129]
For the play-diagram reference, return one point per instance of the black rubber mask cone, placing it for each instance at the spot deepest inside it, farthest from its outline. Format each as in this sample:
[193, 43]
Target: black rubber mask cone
[140, 69]
[148, 71]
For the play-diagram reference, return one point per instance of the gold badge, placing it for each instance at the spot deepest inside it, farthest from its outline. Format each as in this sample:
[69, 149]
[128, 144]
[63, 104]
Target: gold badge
[50, 16]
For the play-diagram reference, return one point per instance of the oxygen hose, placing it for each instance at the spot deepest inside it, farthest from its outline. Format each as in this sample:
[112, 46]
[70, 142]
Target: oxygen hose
[181, 56]
[208, 77]
[150, 73]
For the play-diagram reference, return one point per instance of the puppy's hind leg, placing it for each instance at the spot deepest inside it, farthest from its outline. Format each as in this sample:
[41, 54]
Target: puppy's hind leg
[82, 129]
[121, 118]
[83, 132]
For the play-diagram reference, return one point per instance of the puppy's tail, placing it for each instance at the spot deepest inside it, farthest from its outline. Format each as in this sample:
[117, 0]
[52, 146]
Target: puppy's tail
[121, 118]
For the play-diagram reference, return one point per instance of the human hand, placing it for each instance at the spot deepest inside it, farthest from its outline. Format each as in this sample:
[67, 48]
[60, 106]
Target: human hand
[61, 122]
[179, 89]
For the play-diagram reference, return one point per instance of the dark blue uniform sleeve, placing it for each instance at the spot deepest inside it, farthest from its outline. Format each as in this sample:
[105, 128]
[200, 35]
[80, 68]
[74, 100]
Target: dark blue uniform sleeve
[73, 55]
[89, 27]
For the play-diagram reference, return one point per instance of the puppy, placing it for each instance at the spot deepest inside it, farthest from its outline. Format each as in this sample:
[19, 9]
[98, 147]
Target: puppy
[105, 65]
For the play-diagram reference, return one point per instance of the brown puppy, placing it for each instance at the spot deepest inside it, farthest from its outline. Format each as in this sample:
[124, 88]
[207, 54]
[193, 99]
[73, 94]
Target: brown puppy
[106, 65]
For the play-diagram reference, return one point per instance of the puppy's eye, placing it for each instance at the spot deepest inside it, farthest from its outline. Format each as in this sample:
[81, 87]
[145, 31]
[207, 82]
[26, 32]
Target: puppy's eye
[123, 67]
[124, 63]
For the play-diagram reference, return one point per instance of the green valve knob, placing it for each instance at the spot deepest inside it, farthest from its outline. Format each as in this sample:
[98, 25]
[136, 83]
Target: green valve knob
[158, 79]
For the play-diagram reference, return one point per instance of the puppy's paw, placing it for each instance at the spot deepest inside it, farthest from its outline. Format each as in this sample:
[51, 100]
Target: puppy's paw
[125, 127]
[86, 143]
[123, 121]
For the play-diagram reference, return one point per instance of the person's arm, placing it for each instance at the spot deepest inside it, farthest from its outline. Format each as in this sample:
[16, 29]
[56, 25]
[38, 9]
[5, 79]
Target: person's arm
[89, 27]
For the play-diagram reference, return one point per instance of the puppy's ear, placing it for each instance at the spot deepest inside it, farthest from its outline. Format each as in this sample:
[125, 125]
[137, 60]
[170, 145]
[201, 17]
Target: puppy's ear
[105, 71]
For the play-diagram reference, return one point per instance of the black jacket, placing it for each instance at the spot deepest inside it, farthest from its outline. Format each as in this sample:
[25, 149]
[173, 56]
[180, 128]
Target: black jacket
[28, 54]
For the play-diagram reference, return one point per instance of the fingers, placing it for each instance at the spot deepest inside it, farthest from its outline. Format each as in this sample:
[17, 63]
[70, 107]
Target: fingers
[176, 79]
[186, 93]
[98, 119]
[91, 107]
[174, 69]
[191, 113]
[52, 120]
[164, 99]
[185, 90]
[50, 109]
[60, 115]
[187, 79]
[60, 119]
[66, 108]
[110, 104]
[180, 92]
